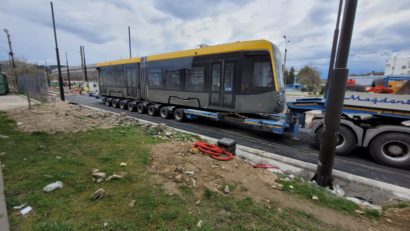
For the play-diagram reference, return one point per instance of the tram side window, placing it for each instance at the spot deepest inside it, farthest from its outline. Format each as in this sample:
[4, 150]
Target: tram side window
[155, 78]
[262, 74]
[173, 80]
[195, 79]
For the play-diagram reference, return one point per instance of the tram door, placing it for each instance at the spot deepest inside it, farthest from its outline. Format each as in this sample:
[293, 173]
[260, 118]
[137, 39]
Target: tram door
[222, 82]
[131, 73]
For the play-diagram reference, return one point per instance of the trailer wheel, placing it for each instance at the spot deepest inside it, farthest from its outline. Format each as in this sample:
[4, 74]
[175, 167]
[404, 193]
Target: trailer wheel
[179, 114]
[131, 106]
[346, 140]
[114, 103]
[107, 102]
[140, 108]
[164, 112]
[123, 104]
[392, 148]
[152, 111]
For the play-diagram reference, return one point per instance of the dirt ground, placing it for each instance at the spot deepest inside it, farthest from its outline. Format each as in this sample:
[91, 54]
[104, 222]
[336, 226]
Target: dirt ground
[172, 165]
[63, 117]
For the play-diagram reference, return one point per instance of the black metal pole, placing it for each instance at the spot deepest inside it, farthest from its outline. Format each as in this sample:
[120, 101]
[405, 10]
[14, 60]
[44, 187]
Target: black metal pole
[68, 72]
[85, 67]
[129, 40]
[334, 102]
[60, 77]
[334, 46]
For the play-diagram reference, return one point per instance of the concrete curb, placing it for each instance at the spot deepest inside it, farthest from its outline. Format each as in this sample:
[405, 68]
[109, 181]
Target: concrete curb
[4, 221]
[297, 167]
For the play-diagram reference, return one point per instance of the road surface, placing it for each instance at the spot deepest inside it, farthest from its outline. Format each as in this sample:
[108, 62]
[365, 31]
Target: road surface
[358, 163]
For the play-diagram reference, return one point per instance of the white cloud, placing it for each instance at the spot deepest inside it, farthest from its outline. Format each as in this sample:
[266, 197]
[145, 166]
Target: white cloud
[381, 28]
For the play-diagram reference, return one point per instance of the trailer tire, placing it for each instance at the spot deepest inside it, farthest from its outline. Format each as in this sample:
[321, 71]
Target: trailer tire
[346, 142]
[179, 114]
[107, 102]
[164, 112]
[123, 104]
[141, 108]
[391, 148]
[130, 106]
[114, 103]
[152, 111]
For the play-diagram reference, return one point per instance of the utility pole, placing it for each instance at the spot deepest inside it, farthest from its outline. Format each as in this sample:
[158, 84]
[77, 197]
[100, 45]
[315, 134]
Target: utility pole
[82, 62]
[85, 65]
[60, 77]
[335, 98]
[47, 76]
[11, 56]
[286, 51]
[68, 72]
[129, 39]
[334, 46]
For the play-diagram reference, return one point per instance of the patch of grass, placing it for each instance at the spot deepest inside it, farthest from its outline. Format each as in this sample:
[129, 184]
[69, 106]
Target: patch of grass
[372, 213]
[30, 164]
[232, 186]
[400, 205]
[186, 190]
[208, 194]
[325, 198]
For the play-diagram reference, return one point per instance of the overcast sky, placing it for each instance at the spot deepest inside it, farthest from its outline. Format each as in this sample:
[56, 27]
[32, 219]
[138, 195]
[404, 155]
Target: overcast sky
[382, 28]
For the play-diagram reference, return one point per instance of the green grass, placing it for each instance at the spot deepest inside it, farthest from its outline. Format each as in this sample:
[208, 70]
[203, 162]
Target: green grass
[326, 199]
[30, 164]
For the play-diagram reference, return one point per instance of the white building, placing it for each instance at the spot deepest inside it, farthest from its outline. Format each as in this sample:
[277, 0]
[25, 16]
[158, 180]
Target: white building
[397, 66]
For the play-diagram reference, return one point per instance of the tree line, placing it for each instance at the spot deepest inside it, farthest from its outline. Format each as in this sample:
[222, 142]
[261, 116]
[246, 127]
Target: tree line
[307, 76]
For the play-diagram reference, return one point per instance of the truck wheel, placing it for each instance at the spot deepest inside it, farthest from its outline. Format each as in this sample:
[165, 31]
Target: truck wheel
[164, 112]
[114, 103]
[152, 111]
[123, 104]
[108, 102]
[131, 106]
[392, 148]
[346, 140]
[179, 114]
[140, 108]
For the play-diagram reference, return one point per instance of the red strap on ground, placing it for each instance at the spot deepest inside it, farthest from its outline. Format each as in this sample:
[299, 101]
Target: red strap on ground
[213, 151]
[264, 166]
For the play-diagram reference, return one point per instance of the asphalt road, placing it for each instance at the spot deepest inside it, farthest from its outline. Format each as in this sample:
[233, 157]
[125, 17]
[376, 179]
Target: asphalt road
[359, 163]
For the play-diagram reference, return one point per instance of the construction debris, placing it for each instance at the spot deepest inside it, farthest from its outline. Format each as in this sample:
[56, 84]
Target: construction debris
[99, 194]
[114, 176]
[19, 206]
[52, 186]
[227, 189]
[26, 210]
[199, 224]
[98, 174]
[132, 203]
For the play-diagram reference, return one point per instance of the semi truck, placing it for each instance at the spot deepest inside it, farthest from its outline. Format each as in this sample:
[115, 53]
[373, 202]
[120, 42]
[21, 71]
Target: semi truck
[377, 122]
